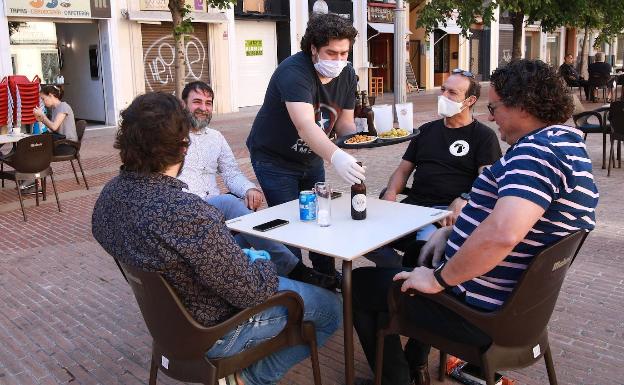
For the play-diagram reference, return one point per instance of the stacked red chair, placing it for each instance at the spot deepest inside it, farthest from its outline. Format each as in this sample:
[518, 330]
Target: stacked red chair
[6, 104]
[25, 93]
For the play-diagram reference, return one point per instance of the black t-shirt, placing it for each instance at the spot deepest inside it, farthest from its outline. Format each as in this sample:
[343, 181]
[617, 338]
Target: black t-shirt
[447, 160]
[273, 135]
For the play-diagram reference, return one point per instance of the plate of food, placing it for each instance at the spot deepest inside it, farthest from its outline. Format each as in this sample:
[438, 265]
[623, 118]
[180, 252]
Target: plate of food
[395, 133]
[360, 139]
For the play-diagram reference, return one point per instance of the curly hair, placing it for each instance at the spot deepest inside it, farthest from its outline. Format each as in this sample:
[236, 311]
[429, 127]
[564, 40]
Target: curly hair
[325, 27]
[536, 88]
[153, 133]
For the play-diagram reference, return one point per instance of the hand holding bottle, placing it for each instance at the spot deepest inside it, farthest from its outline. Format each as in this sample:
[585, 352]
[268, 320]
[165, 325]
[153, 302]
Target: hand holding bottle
[346, 166]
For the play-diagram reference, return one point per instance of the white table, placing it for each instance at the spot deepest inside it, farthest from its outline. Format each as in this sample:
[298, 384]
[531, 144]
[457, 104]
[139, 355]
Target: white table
[345, 239]
[12, 138]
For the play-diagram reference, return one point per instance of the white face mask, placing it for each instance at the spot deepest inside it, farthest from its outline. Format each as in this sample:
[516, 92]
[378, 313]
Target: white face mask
[448, 107]
[330, 68]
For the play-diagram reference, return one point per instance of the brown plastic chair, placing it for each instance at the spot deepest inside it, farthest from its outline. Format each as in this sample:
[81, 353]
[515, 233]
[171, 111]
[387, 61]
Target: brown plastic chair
[30, 161]
[68, 150]
[518, 329]
[616, 117]
[182, 343]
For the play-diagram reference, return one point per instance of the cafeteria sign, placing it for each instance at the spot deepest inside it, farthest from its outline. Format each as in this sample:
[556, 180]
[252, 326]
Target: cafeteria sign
[75, 9]
[253, 47]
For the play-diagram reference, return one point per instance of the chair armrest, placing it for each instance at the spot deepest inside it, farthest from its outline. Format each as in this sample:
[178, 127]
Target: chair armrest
[406, 190]
[289, 299]
[72, 143]
[486, 321]
[582, 118]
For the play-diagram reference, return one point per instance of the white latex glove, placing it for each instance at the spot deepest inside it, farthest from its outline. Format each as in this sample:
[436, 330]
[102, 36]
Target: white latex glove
[347, 167]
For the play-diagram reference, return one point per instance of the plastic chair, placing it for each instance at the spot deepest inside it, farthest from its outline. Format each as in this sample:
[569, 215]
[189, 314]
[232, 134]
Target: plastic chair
[30, 161]
[598, 81]
[616, 117]
[584, 122]
[68, 150]
[518, 329]
[180, 343]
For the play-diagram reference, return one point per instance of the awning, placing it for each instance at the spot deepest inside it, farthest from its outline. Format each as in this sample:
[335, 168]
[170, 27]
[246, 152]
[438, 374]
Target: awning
[451, 29]
[382, 27]
[158, 16]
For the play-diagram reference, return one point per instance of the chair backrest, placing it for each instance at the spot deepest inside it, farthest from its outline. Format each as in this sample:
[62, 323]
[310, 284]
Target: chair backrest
[526, 313]
[597, 79]
[81, 125]
[33, 154]
[616, 117]
[171, 326]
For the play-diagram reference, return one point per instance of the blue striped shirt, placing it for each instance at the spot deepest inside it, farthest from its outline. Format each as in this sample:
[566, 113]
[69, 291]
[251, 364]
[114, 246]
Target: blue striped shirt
[549, 167]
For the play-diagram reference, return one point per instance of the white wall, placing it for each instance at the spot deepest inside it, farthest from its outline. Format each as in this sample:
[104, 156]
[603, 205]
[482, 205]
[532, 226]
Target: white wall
[84, 94]
[5, 57]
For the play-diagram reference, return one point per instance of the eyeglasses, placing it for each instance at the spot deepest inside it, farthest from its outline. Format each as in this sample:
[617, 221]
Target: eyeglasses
[460, 71]
[493, 106]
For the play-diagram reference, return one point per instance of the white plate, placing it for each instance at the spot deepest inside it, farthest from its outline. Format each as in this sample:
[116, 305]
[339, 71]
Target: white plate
[394, 137]
[371, 140]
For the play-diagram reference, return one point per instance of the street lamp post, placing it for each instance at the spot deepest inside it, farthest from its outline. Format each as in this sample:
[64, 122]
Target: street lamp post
[400, 31]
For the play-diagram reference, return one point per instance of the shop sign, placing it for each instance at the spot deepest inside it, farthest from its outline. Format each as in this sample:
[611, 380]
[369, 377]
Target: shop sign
[74, 9]
[163, 5]
[253, 48]
[380, 14]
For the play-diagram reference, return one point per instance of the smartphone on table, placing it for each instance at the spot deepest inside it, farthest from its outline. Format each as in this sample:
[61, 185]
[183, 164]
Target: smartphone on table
[270, 225]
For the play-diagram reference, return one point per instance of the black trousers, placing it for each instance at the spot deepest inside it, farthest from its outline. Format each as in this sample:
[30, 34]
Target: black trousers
[370, 308]
[582, 83]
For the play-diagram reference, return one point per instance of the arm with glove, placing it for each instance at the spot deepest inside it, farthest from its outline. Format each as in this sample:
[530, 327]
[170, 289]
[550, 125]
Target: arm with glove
[302, 115]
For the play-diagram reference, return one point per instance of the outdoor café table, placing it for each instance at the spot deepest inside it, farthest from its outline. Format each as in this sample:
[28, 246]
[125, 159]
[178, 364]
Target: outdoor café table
[379, 142]
[344, 239]
[11, 138]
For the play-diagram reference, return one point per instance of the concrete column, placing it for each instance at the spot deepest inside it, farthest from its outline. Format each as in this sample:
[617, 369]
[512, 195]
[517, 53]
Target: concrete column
[494, 37]
[400, 56]
[360, 48]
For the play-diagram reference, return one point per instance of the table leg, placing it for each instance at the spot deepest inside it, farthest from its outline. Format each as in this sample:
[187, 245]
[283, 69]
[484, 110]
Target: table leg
[347, 310]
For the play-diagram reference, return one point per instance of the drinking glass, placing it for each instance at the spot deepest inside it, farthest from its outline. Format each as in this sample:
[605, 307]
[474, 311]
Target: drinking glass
[323, 203]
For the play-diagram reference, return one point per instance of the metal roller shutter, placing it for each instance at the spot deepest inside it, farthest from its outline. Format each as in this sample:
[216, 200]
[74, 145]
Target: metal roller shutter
[158, 55]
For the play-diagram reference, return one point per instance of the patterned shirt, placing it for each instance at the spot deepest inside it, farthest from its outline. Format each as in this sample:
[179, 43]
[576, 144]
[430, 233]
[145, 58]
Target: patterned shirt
[548, 167]
[147, 221]
[208, 155]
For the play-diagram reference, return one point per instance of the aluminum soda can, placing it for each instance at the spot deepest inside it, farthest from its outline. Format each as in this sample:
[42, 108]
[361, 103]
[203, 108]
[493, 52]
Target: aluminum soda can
[307, 205]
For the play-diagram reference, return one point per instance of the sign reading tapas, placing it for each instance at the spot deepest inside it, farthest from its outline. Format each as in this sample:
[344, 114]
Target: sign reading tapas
[78, 9]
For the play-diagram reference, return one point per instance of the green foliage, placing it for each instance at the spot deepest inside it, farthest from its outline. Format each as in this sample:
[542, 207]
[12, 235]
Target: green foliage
[184, 10]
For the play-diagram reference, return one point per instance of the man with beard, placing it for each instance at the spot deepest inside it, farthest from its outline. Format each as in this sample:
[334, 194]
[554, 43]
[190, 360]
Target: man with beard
[208, 155]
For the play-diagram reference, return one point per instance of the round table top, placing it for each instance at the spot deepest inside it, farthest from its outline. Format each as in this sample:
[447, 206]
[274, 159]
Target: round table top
[379, 142]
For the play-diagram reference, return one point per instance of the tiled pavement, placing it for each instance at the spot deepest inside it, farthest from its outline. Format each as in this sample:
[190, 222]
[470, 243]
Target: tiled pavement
[67, 316]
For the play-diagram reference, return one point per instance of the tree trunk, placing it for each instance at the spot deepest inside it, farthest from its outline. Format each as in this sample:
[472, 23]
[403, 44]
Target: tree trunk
[584, 54]
[175, 7]
[517, 20]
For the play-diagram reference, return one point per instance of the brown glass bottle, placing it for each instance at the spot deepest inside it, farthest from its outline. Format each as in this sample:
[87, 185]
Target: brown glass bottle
[358, 200]
[369, 114]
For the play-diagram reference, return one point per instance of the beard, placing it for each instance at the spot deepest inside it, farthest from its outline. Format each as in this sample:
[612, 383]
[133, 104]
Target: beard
[200, 123]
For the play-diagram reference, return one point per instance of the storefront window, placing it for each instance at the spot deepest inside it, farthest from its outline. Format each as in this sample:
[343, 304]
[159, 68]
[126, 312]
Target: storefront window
[619, 60]
[552, 50]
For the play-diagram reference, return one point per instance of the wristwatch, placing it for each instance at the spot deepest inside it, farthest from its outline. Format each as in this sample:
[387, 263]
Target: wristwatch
[437, 274]
[465, 196]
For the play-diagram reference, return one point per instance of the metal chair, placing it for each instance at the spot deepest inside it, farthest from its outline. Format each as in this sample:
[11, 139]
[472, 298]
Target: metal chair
[69, 150]
[180, 343]
[518, 329]
[30, 161]
[584, 122]
[616, 117]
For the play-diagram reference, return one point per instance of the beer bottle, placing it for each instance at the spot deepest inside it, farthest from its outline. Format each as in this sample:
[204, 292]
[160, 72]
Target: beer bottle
[360, 119]
[369, 114]
[358, 200]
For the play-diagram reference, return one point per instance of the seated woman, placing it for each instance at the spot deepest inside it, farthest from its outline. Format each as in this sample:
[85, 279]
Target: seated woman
[61, 124]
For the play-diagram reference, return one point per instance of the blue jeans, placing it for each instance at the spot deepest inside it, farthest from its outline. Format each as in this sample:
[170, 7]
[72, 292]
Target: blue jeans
[234, 207]
[321, 306]
[386, 256]
[280, 185]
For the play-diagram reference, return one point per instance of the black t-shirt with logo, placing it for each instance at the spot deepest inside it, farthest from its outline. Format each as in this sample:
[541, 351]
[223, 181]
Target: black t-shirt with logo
[447, 160]
[273, 134]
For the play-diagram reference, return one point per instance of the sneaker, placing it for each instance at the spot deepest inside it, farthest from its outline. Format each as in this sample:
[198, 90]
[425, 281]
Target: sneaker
[302, 273]
[229, 380]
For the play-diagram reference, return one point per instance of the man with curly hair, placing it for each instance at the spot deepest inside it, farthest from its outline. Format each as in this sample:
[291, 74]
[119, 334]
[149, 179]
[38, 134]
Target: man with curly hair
[310, 96]
[541, 190]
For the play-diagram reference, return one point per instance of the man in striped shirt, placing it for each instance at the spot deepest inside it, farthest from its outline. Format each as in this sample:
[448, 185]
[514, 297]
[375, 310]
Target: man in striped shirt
[540, 191]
